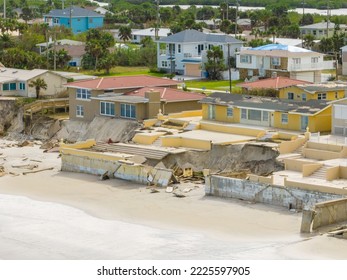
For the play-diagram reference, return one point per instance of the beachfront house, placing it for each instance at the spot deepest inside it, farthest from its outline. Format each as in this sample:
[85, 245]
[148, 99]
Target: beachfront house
[339, 117]
[344, 60]
[132, 97]
[267, 112]
[74, 17]
[184, 53]
[322, 29]
[319, 91]
[139, 34]
[15, 82]
[282, 60]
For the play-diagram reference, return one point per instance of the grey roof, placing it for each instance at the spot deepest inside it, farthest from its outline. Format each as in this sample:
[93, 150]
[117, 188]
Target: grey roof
[192, 36]
[121, 98]
[323, 87]
[309, 107]
[321, 25]
[75, 12]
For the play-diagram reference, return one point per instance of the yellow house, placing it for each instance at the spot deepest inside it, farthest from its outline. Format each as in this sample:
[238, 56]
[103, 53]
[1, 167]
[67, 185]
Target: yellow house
[268, 112]
[323, 91]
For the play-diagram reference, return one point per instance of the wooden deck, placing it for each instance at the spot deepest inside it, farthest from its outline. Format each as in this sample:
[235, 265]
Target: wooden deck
[41, 106]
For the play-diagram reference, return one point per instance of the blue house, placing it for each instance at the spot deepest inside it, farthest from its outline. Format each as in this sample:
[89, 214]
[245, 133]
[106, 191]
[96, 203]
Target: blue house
[76, 18]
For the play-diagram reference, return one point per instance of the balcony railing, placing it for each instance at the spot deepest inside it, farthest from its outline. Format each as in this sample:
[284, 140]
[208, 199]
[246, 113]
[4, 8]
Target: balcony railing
[330, 64]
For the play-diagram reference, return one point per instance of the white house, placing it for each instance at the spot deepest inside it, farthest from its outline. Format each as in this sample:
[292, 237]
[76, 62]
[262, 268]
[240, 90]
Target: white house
[139, 34]
[64, 42]
[282, 60]
[344, 60]
[321, 29]
[185, 52]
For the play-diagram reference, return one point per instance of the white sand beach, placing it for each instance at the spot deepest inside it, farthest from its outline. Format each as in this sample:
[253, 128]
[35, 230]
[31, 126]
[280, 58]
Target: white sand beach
[61, 215]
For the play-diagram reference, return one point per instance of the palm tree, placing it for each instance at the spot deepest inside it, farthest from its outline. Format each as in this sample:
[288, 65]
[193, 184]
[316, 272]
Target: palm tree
[125, 33]
[38, 84]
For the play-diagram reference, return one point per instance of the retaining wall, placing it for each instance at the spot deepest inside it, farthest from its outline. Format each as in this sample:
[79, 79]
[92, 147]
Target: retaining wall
[259, 192]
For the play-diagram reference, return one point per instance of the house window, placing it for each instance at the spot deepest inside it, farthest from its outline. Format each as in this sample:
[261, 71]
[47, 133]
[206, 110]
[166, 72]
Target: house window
[276, 61]
[322, 96]
[250, 73]
[179, 48]
[22, 86]
[9, 86]
[78, 19]
[290, 95]
[128, 111]
[83, 93]
[56, 20]
[303, 96]
[265, 116]
[135, 37]
[296, 60]
[79, 111]
[244, 114]
[90, 20]
[254, 115]
[164, 63]
[246, 59]
[230, 112]
[284, 118]
[314, 59]
[107, 109]
[336, 95]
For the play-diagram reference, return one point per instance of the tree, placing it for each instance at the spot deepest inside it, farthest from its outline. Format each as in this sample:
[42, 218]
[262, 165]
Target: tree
[306, 19]
[308, 41]
[61, 58]
[38, 84]
[97, 44]
[106, 62]
[125, 33]
[215, 63]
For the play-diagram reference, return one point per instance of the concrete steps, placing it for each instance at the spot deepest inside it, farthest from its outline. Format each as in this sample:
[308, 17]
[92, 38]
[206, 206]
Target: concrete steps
[150, 153]
[157, 143]
[320, 173]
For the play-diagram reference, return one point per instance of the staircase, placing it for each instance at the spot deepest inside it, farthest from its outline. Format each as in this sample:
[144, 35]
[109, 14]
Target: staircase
[157, 143]
[320, 173]
[147, 152]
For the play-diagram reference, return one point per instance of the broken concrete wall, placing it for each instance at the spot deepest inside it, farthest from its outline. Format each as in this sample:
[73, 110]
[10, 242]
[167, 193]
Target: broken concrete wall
[259, 192]
[98, 164]
[330, 212]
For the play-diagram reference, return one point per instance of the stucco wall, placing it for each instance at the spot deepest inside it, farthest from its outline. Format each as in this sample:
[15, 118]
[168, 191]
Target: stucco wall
[259, 192]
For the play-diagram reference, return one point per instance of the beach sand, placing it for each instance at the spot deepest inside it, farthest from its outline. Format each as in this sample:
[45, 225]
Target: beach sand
[62, 215]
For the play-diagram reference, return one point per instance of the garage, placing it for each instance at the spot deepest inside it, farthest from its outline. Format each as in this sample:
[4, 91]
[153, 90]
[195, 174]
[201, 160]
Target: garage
[193, 69]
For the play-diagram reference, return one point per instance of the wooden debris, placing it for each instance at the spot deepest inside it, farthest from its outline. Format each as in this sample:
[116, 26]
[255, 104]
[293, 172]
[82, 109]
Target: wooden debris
[13, 174]
[25, 166]
[36, 160]
[180, 195]
[2, 171]
[187, 190]
[153, 190]
[39, 170]
[104, 176]
[24, 159]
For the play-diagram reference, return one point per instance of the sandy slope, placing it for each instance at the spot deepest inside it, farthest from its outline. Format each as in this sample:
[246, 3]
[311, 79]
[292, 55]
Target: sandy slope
[123, 220]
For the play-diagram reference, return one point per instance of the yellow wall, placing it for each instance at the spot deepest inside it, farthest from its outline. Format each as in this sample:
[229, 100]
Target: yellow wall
[283, 93]
[320, 122]
[221, 114]
[333, 173]
[79, 145]
[176, 141]
[290, 146]
[312, 187]
[147, 138]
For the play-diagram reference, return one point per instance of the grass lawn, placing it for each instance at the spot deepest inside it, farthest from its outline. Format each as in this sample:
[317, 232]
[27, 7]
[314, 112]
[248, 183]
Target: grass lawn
[213, 85]
[124, 71]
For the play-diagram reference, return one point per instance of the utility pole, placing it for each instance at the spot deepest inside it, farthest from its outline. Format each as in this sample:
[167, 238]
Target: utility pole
[236, 15]
[303, 19]
[62, 4]
[54, 49]
[328, 17]
[4, 9]
[156, 32]
[229, 68]
[227, 2]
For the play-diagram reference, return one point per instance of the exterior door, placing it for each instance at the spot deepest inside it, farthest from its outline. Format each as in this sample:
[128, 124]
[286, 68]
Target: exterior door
[211, 112]
[304, 122]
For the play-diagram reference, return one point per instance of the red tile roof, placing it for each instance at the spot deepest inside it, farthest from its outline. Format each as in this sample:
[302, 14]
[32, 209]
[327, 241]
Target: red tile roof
[124, 82]
[275, 83]
[168, 94]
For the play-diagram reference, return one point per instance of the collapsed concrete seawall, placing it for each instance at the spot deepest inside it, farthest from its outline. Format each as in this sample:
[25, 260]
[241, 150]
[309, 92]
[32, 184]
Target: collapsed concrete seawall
[265, 193]
[324, 214]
